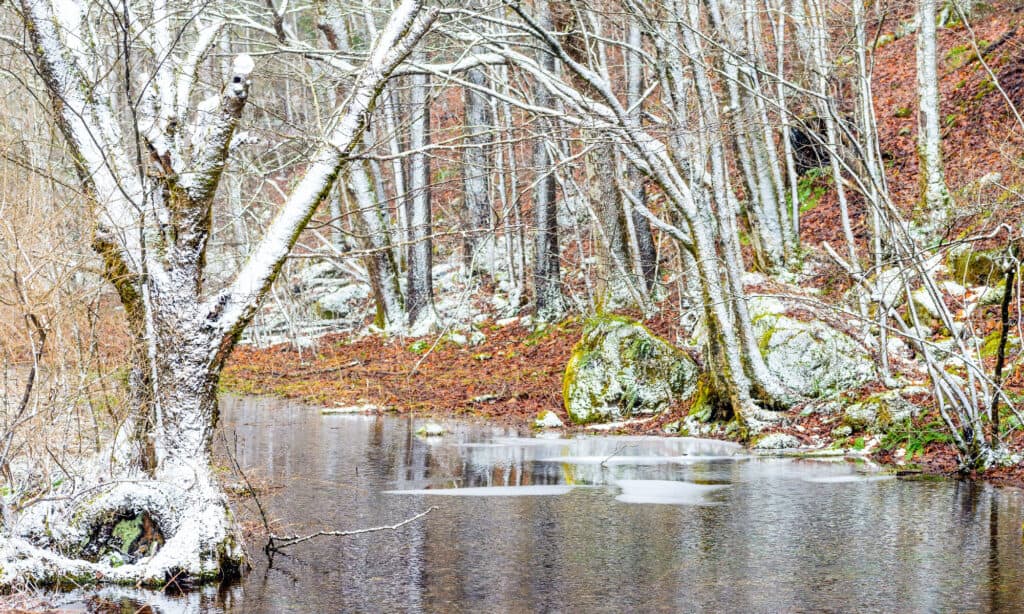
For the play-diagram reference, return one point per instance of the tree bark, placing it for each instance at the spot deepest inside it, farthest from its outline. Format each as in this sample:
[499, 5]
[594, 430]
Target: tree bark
[547, 282]
[419, 280]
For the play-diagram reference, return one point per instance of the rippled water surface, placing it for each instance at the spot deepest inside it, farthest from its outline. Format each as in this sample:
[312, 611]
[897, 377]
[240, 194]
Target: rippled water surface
[600, 524]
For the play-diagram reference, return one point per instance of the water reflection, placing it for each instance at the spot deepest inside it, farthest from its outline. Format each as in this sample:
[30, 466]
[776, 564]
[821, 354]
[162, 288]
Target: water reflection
[624, 524]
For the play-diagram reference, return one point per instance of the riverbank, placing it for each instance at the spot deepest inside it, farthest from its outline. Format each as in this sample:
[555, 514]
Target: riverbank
[508, 373]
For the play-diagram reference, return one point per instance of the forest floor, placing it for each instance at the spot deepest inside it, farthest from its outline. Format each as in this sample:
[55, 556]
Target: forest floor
[515, 373]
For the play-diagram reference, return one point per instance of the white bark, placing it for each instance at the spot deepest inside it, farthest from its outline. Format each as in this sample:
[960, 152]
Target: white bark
[419, 281]
[934, 192]
[478, 125]
[547, 282]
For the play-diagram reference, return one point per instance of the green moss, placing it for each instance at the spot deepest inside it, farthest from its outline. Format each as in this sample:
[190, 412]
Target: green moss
[914, 438]
[419, 346]
[127, 531]
[901, 112]
[973, 267]
[962, 54]
[619, 368]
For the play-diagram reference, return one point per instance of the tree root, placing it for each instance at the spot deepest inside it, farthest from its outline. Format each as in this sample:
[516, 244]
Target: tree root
[200, 541]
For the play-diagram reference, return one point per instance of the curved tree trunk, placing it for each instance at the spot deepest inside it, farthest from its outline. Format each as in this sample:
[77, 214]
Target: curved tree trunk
[158, 463]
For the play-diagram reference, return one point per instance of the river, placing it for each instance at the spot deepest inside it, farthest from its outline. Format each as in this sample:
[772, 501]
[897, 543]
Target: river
[597, 524]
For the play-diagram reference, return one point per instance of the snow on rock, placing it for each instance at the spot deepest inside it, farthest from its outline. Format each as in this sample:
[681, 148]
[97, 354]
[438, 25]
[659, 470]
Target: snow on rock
[547, 420]
[619, 368]
[879, 411]
[776, 441]
[343, 301]
[812, 358]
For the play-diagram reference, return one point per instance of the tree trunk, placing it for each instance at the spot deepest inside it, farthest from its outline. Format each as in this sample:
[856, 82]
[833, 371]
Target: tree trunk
[372, 220]
[934, 193]
[476, 173]
[547, 282]
[419, 281]
[643, 238]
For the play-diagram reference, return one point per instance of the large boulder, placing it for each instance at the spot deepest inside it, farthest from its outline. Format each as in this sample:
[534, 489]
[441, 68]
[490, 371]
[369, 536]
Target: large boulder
[972, 267]
[620, 369]
[812, 358]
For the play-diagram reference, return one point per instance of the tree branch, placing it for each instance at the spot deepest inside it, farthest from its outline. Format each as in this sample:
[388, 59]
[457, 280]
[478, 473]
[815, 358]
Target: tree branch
[291, 540]
[236, 306]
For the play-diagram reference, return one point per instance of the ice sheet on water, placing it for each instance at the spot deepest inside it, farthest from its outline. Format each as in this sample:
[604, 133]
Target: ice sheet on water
[539, 490]
[667, 492]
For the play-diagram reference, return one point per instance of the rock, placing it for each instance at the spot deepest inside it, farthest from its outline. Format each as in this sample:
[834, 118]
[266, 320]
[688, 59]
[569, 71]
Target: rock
[431, 429]
[619, 368]
[825, 407]
[672, 428]
[502, 323]
[974, 267]
[992, 295]
[341, 302]
[547, 419]
[879, 411]
[927, 308]
[811, 358]
[458, 338]
[953, 288]
[776, 441]
[477, 338]
[842, 431]
[888, 286]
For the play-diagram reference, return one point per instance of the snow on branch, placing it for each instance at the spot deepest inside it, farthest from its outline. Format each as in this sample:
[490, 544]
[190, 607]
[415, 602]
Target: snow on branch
[84, 115]
[236, 305]
[215, 123]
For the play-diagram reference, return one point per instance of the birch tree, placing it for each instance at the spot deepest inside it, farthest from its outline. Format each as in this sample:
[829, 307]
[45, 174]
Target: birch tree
[934, 193]
[150, 159]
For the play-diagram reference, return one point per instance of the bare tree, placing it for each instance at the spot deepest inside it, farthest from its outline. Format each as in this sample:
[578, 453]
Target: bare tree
[150, 162]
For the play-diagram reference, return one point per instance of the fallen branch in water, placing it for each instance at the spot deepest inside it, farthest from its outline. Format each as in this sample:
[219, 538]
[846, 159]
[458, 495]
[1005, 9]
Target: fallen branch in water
[291, 540]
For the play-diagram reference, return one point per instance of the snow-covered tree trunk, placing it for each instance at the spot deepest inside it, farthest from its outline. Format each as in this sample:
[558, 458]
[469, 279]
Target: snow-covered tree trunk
[547, 278]
[419, 281]
[153, 224]
[934, 193]
[642, 237]
[476, 175]
[756, 156]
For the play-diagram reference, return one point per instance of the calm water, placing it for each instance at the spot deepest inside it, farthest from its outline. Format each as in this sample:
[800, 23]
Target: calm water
[600, 524]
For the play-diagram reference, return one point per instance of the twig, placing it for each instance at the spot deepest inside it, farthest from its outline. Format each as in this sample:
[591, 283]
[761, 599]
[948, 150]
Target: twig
[245, 478]
[291, 540]
[615, 452]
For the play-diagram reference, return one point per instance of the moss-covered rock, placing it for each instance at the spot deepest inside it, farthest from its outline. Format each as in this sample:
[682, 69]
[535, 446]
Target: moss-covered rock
[620, 368]
[972, 267]
[811, 358]
[878, 412]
